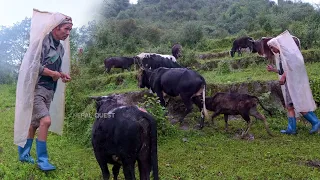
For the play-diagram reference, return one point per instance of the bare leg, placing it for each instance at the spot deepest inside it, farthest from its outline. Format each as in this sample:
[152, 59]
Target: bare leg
[45, 123]
[291, 111]
[32, 132]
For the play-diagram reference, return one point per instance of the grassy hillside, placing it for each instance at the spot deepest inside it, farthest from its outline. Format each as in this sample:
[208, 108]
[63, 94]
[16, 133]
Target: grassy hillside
[205, 28]
[208, 154]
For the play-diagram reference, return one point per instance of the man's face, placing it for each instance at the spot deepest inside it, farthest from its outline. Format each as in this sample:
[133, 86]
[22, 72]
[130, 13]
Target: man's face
[273, 49]
[63, 31]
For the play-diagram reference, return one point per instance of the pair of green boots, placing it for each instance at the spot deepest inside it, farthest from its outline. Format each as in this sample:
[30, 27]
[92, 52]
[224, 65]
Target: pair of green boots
[42, 154]
[292, 125]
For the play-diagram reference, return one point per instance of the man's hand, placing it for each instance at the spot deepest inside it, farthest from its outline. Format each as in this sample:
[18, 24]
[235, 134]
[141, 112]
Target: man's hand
[282, 80]
[270, 68]
[65, 77]
[55, 75]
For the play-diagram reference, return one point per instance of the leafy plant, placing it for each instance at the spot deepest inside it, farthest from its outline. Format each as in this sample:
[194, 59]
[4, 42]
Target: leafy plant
[153, 106]
[223, 67]
[315, 88]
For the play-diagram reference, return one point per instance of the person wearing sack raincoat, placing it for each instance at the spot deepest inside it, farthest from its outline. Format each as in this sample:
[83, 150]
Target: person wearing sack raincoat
[294, 81]
[51, 56]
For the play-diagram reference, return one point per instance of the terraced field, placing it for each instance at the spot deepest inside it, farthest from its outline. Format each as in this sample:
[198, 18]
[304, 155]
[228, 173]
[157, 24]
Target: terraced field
[210, 153]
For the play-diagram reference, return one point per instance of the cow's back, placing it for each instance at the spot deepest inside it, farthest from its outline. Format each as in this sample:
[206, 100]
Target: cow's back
[117, 134]
[232, 103]
[118, 62]
[175, 81]
[155, 61]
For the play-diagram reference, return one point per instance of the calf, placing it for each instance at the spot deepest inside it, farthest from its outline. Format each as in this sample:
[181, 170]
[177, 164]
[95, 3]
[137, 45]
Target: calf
[174, 82]
[235, 104]
[118, 62]
[121, 135]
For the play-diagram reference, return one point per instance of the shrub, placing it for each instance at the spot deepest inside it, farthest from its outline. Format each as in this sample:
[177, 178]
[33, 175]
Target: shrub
[223, 67]
[188, 59]
[315, 88]
[153, 106]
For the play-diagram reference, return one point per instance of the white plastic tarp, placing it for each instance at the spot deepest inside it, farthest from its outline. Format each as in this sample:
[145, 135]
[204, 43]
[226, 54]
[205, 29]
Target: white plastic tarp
[41, 24]
[296, 75]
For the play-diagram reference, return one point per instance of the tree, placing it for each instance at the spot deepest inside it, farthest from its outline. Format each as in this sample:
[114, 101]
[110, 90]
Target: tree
[14, 42]
[192, 33]
[111, 8]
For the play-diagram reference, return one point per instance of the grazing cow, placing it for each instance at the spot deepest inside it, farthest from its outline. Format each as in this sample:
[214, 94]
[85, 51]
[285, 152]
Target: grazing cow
[234, 104]
[154, 61]
[261, 47]
[177, 51]
[238, 44]
[121, 135]
[174, 82]
[118, 62]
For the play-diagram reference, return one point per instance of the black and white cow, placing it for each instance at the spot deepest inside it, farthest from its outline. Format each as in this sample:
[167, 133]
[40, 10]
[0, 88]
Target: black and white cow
[122, 135]
[118, 62]
[154, 61]
[174, 82]
[239, 43]
[176, 51]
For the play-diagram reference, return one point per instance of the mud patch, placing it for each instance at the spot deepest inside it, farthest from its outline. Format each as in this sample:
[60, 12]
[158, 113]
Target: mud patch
[238, 135]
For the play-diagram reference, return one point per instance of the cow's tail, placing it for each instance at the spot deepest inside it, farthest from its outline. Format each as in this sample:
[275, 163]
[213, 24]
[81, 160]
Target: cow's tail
[206, 115]
[154, 148]
[262, 105]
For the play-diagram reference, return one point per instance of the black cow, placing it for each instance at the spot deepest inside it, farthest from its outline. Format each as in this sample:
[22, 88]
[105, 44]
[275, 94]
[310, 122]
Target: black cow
[234, 104]
[121, 135]
[154, 61]
[239, 43]
[261, 47]
[176, 50]
[174, 82]
[118, 62]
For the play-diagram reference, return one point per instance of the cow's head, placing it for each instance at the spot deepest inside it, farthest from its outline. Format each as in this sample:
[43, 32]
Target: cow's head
[103, 102]
[232, 52]
[143, 78]
[250, 43]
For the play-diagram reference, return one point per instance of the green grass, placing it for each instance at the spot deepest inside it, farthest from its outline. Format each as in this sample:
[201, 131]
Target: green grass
[256, 72]
[208, 154]
[72, 161]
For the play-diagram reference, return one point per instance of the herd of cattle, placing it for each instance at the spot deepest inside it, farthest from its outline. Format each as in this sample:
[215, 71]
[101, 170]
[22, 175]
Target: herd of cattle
[129, 134]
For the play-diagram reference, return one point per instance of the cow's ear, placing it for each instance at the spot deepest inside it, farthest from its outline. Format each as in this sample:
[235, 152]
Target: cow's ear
[96, 98]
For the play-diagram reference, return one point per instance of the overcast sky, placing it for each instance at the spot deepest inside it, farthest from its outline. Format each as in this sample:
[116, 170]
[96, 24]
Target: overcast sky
[81, 11]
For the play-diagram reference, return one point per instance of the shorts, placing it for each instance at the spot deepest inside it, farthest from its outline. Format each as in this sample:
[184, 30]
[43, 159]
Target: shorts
[41, 105]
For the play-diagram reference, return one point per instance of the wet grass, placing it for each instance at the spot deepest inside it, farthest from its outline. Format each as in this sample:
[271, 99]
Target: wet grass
[210, 153]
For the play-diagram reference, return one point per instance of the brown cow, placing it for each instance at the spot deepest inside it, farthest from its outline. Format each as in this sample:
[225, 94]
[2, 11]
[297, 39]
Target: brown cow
[234, 104]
